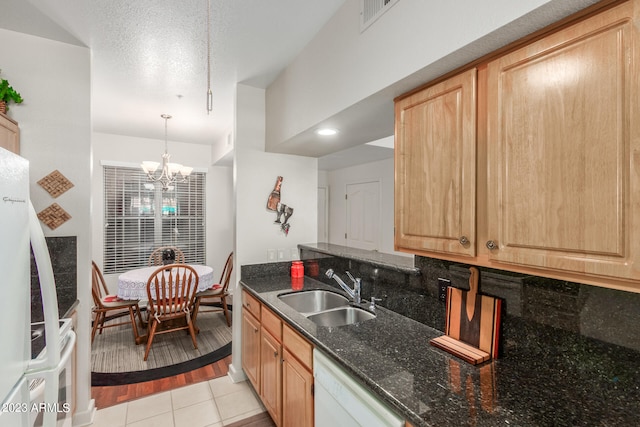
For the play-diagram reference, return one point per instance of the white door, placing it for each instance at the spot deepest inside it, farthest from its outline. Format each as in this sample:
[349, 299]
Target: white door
[363, 215]
[323, 214]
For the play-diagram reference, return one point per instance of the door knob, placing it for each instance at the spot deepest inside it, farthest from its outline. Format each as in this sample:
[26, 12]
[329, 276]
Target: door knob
[491, 245]
[464, 241]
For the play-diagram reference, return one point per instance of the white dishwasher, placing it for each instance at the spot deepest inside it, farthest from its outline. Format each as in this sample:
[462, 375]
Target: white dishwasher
[341, 402]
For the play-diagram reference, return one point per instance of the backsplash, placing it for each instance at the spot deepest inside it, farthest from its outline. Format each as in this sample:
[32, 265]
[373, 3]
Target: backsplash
[64, 260]
[536, 310]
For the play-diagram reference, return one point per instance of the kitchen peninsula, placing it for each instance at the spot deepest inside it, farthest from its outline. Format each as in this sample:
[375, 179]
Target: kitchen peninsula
[547, 376]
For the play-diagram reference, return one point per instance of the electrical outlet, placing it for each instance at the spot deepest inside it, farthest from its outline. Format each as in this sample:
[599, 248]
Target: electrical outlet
[443, 284]
[281, 255]
[271, 254]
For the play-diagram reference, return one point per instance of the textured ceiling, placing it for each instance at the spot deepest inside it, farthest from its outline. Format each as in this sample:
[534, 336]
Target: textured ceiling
[150, 56]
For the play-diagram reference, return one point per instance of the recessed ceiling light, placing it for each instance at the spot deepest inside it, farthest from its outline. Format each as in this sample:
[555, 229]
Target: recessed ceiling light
[326, 131]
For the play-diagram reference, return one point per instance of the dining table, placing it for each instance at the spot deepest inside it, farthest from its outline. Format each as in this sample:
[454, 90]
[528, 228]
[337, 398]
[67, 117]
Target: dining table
[132, 284]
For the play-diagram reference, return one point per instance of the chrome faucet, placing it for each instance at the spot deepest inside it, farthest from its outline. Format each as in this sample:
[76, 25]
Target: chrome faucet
[353, 293]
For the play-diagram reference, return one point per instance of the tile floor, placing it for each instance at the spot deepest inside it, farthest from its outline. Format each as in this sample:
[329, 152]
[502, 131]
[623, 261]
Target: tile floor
[213, 403]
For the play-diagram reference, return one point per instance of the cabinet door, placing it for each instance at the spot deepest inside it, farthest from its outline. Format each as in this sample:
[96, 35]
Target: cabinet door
[271, 376]
[251, 348]
[9, 134]
[563, 165]
[297, 393]
[435, 161]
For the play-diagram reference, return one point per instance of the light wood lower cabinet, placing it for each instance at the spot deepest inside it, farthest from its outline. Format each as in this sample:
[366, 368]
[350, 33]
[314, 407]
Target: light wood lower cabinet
[297, 380]
[279, 364]
[271, 364]
[251, 339]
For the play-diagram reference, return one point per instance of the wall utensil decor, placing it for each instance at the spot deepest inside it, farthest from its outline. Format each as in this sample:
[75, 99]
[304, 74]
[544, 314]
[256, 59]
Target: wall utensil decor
[273, 204]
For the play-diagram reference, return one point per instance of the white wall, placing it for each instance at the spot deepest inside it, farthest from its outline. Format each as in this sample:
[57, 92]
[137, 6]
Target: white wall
[337, 181]
[54, 80]
[219, 209]
[256, 231]
[255, 174]
[414, 42]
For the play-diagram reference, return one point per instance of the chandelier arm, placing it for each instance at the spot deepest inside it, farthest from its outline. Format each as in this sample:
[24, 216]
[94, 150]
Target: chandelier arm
[170, 173]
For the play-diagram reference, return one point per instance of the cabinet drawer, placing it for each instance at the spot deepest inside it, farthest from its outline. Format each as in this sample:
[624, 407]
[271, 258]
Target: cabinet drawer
[251, 304]
[272, 323]
[297, 346]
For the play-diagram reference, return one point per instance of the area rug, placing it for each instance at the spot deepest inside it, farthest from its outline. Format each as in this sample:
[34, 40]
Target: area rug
[117, 360]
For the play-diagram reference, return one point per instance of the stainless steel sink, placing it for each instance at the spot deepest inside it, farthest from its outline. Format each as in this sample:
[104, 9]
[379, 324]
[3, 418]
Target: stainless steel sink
[314, 301]
[341, 316]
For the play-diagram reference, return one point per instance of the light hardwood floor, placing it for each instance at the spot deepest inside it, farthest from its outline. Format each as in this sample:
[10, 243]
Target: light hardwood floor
[112, 395]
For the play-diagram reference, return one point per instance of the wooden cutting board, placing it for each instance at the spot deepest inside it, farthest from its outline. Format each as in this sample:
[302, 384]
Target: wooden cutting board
[472, 323]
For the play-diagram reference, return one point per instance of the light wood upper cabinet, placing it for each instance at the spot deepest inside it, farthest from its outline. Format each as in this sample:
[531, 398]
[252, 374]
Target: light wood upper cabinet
[563, 149]
[435, 166]
[545, 165]
[9, 134]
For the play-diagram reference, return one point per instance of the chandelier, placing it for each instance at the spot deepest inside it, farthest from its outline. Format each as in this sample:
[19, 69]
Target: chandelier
[170, 173]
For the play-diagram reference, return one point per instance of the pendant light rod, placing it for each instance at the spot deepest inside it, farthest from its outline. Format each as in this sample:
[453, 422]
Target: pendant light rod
[209, 93]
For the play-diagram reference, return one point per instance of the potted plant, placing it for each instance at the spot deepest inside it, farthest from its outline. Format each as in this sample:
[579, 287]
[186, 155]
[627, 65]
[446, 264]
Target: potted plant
[7, 94]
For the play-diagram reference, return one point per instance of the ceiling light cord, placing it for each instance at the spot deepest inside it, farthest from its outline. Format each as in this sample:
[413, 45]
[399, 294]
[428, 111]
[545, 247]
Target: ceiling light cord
[209, 93]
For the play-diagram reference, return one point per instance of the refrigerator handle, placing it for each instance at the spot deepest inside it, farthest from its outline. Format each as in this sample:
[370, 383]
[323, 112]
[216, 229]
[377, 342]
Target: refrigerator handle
[48, 292]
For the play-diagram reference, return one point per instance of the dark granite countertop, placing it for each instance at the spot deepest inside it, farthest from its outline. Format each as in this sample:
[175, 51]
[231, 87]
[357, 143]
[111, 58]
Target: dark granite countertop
[536, 386]
[389, 261]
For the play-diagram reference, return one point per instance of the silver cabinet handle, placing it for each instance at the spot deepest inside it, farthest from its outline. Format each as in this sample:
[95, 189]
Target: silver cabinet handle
[463, 240]
[491, 245]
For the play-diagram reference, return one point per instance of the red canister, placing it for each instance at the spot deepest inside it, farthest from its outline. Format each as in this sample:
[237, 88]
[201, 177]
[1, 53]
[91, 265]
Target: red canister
[297, 269]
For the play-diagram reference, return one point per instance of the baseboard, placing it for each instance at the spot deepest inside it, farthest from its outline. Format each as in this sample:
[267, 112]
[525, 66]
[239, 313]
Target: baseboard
[85, 418]
[236, 375]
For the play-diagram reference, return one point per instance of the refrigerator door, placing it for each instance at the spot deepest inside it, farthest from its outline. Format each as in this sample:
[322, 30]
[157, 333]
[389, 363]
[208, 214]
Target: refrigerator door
[16, 409]
[15, 287]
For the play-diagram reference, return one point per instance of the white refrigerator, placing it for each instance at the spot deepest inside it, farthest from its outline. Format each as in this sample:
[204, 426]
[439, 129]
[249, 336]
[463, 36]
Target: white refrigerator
[34, 388]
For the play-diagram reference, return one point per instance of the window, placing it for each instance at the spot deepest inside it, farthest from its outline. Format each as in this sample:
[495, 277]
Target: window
[139, 216]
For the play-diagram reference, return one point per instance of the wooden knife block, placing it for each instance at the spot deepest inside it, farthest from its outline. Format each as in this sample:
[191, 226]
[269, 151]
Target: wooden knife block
[472, 324]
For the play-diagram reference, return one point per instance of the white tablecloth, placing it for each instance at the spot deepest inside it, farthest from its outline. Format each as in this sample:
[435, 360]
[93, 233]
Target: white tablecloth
[133, 283]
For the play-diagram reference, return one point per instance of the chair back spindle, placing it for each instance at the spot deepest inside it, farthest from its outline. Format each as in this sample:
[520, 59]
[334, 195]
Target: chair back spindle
[171, 291]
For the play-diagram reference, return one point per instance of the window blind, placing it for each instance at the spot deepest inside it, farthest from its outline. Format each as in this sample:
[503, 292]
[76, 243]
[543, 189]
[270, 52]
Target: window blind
[139, 217]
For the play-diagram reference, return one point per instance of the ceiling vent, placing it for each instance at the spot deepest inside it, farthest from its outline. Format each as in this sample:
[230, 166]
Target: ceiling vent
[371, 10]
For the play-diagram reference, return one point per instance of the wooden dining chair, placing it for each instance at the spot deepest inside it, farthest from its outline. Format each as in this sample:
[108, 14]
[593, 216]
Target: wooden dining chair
[171, 291]
[103, 304]
[156, 256]
[218, 293]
